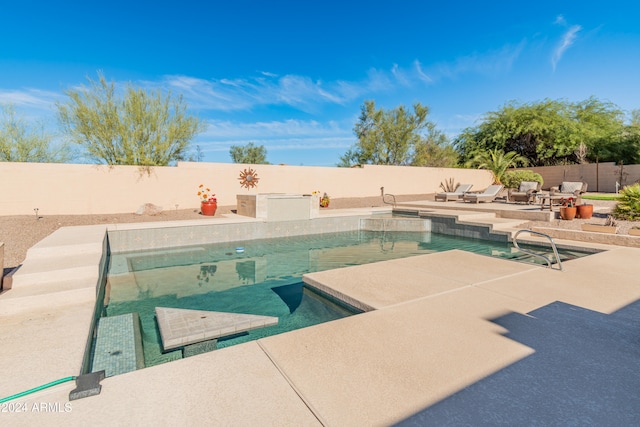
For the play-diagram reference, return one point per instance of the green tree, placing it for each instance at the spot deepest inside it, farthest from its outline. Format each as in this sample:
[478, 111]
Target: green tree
[547, 132]
[435, 151]
[250, 153]
[497, 162]
[24, 142]
[136, 128]
[386, 137]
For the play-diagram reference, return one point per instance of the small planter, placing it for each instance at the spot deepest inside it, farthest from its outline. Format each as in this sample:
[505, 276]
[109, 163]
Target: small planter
[324, 201]
[634, 232]
[567, 213]
[208, 208]
[600, 228]
[584, 211]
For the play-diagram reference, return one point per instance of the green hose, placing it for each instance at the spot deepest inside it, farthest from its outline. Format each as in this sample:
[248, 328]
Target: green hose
[33, 390]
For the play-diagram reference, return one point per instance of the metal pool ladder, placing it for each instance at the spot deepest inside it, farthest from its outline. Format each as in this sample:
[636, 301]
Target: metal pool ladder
[553, 246]
[382, 193]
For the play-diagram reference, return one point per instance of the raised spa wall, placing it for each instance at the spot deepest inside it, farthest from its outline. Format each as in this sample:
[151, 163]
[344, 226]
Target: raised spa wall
[179, 235]
[278, 207]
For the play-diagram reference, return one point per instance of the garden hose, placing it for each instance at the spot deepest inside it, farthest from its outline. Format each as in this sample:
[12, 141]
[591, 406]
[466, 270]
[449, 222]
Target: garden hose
[33, 390]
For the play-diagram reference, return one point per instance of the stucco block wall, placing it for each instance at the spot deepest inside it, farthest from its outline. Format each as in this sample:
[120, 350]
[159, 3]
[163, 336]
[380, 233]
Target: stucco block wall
[601, 177]
[1, 263]
[58, 189]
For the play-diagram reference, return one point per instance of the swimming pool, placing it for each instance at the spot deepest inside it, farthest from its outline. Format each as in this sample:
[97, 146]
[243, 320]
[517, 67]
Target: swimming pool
[258, 277]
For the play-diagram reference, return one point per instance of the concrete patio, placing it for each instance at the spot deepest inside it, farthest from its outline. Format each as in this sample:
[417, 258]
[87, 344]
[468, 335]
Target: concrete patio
[453, 338]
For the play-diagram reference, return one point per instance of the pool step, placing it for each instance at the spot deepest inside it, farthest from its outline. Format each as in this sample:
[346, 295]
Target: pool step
[55, 265]
[472, 224]
[395, 224]
[181, 327]
[118, 346]
[516, 255]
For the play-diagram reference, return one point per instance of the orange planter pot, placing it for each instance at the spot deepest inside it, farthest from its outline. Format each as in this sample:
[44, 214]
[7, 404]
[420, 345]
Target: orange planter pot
[567, 213]
[584, 211]
[208, 208]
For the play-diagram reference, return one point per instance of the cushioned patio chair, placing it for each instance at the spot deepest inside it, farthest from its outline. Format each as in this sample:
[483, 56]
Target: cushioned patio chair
[488, 195]
[454, 195]
[526, 193]
[570, 189]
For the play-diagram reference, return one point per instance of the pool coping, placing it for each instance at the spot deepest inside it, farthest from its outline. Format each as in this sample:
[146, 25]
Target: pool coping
[72, 306]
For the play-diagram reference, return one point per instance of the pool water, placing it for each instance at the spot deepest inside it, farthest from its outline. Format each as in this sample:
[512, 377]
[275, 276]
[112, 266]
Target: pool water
[261, 277]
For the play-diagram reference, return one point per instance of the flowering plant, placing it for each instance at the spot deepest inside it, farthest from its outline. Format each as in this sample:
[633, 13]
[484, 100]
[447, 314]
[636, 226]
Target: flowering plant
[205, 194]
[324, 200]
[567, 203]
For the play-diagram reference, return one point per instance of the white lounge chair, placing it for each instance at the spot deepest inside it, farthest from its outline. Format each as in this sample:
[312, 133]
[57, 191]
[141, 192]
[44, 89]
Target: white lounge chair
[487, 195]
[454, 195]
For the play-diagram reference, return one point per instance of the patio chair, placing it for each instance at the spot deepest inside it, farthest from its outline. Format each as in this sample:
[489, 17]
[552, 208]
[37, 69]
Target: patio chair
[454, 195]
[488, 195]
[570, 189]
[526, 193]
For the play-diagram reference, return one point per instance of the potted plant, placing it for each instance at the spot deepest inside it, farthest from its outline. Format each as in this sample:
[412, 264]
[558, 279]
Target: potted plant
[324, 201]
[208, 201]
[567, 209]
[584, 211]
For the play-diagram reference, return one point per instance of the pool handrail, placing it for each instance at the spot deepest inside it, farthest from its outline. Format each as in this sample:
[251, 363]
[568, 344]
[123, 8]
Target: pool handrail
[553, 246]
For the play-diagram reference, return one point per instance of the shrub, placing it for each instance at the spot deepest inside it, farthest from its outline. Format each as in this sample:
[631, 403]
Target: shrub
[512, 179]
[628, 207]
[449, 185]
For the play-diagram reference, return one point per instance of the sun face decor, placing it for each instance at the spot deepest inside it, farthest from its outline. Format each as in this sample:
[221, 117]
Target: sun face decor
[248, 178]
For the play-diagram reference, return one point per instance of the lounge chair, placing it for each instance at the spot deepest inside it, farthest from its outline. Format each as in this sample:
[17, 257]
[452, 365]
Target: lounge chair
[487, 195]
[454, 195]
[570, 189]
[526, 193]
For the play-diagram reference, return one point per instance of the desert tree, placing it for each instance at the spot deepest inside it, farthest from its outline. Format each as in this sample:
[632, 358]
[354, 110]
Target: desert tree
[21, 141]
[387, 137]
[137, 127]
[250, 153]
[549, 132]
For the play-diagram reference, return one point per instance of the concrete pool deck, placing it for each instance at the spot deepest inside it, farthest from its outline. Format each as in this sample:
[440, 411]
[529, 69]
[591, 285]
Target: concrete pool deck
[444, 328]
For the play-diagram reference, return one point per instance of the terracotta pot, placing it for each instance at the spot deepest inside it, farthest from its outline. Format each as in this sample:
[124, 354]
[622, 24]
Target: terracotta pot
[567, 213]
[584, 211]
[208, 208]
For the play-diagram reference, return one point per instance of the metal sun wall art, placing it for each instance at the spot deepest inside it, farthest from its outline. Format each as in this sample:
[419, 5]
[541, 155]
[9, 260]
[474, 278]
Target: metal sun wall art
[248, 178]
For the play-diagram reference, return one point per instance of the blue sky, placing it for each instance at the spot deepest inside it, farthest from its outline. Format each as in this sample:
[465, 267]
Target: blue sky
[292, 75]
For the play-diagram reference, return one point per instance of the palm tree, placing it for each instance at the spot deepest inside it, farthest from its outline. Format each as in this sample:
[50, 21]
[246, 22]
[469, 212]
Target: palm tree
[497, 162]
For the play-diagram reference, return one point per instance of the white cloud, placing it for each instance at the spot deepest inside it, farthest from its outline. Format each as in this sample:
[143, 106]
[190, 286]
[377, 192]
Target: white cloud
[488, 63]
[560, 20]
[421, 74]
[271, 129]
[29, 98]
[400, 76]
[276, 135]
[568, 37]
[300, 92]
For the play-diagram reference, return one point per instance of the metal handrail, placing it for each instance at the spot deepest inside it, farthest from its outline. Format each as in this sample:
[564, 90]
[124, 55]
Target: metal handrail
[553, 246]
[390, 195]
[389, 203]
